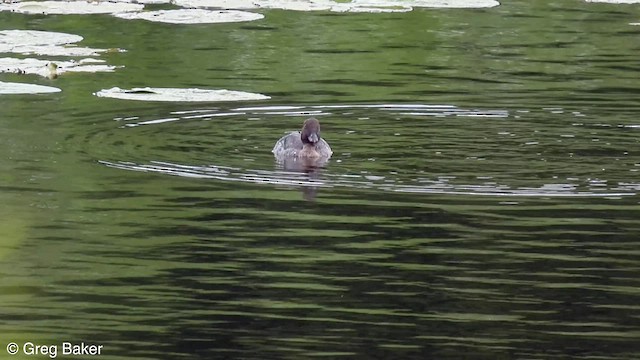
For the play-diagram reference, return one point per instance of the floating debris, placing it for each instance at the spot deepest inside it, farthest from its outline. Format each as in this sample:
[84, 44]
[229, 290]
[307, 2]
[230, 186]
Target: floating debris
[53, 70]
[192, 16]
[70, 7]
[7, 88]
[178, 94]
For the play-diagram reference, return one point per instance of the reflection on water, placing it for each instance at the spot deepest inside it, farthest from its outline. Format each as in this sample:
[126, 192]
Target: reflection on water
[158, 264]
[481, 202]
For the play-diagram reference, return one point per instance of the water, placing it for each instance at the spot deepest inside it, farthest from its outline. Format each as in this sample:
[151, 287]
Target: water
[481, 203]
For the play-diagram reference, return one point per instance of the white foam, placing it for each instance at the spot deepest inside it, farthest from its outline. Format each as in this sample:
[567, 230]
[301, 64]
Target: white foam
[192, 16]
[179, 94]
[21, 88]
[70, 7]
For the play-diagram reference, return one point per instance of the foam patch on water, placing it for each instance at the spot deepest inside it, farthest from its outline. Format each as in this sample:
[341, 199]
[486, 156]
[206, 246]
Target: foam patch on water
[616, 1]
[53, 50]
[35, 38]
[32, 42]
[328, 5]
[426, 3]
[298, 5]
[70, 7]
[44, 67]
[178, 94]
[153, 2]
[21, 88]
[192, 16]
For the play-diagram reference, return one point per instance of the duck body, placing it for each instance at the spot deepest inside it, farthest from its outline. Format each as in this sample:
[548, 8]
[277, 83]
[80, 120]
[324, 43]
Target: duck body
[306, 144]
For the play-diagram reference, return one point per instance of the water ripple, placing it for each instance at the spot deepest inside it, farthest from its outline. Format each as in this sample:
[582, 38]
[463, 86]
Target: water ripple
[356, 181]
[406, 148]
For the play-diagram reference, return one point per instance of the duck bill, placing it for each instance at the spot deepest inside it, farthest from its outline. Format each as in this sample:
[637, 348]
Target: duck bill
[313, 138]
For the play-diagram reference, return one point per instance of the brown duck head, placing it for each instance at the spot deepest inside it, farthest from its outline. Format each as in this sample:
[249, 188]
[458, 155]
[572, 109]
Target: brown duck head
[310, 133]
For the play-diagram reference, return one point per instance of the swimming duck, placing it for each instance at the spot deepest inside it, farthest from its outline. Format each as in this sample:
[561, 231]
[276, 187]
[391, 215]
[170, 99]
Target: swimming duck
[305, 144]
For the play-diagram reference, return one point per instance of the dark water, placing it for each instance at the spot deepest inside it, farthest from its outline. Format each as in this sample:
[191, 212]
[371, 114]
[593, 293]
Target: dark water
[482, 201]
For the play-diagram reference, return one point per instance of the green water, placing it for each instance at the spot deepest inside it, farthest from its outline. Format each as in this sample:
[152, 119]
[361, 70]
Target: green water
[481, 202]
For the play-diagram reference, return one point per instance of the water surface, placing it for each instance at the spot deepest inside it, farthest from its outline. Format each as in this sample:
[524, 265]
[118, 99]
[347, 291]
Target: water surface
[481, 203]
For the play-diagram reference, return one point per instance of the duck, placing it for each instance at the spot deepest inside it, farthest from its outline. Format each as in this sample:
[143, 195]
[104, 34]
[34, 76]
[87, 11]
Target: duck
[306, 145]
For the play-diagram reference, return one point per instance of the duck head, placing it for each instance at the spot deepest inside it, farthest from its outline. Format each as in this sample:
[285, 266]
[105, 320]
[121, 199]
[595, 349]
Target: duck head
[310, 133]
